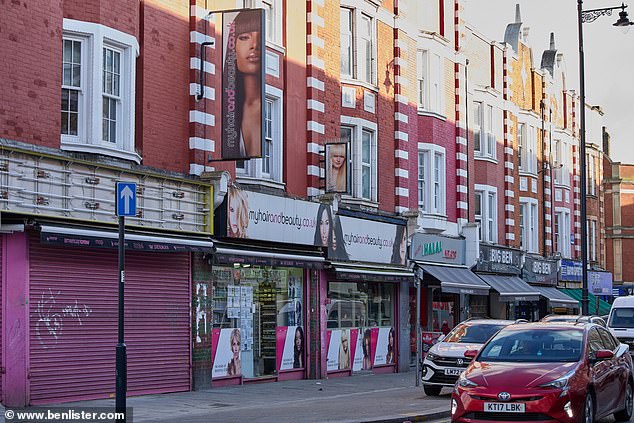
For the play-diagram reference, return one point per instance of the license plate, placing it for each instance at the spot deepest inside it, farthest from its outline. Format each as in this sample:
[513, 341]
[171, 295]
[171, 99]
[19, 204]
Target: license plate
[453, 372]
[505, 407]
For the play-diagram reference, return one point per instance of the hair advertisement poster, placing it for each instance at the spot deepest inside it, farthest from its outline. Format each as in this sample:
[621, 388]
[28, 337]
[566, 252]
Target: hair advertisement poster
[337, 167]
[243, 82]
[290, 347]
[225, 353]
[341, 348]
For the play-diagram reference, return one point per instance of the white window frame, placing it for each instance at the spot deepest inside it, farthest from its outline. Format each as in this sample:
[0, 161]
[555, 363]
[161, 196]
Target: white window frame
[273, 21]
[252, 171]
[430, 78]
[434, 199]
[592, 188]
[563, 238]
[558, 162]
[94, 37]
[488, 216]
[527, 136]
[358, 126]
[359, 70]
[529, 213]
[486, 129]
[592, 240]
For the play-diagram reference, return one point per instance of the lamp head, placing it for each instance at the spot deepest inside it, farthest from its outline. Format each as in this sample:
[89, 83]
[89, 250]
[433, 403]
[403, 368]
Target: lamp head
[623, 22]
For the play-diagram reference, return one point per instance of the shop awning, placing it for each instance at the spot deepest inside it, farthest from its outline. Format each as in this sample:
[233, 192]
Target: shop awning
[228, 253]
[457, 280]
[83, 236]
[604, 307]
[372, 273]
[556, 297]
[511, 288]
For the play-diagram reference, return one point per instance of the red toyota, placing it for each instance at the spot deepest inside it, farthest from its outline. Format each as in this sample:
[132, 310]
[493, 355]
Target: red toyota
[546, 372]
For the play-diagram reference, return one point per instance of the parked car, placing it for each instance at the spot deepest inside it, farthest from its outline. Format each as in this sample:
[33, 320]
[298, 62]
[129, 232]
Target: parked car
[445, 360]
[574, 318]
[621, 320]
[546, 371]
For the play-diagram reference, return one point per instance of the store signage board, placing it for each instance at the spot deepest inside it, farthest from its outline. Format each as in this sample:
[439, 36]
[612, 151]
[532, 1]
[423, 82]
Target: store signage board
[437, 249]
[499, 260]
[540, 271]
[257, 216]
[571, 270]
[600, 283]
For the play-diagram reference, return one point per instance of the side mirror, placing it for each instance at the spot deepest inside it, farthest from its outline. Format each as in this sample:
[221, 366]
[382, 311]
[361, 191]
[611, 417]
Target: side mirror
[603, 355]
[470, 353]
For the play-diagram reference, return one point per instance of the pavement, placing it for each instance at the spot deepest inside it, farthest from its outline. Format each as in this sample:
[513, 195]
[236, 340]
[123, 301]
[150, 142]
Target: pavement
[364, 398]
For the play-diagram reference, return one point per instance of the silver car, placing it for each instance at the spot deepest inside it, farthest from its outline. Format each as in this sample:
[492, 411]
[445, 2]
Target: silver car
[445, 360]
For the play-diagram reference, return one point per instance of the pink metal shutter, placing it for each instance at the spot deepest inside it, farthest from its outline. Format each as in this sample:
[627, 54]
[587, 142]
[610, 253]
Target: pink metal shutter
[73, 318]
[2, 282]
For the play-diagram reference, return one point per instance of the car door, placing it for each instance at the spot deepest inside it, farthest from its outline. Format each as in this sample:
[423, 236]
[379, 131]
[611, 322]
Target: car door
[600, 372]
[619, 370]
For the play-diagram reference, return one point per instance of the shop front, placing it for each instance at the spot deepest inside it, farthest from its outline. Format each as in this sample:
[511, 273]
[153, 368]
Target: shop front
[450, 292]
[252, 295]
[512, 298]
[366, 282]
[541, 274]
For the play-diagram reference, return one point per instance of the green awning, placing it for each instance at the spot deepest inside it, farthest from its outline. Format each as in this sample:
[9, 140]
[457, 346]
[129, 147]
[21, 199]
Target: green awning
[604, 307]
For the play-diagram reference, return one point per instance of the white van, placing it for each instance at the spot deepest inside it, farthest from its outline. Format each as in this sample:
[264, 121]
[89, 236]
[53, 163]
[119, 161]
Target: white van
[621, 320]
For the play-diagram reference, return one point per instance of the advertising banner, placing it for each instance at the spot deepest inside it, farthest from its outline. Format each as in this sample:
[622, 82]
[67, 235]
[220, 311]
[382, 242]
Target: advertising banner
[257, 216]
[244, 52]
[499, 260]
[539, 270]
[571, 271]
[290, 347]
[225, 353]
[600, 283]
[384, 351]
[437, 249]
[337, 167]
[341, 349]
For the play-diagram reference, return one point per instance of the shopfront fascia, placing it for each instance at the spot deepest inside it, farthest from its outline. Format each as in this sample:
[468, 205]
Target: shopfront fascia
[511, 298]
[367, 280]
[570, 273]
[253, 293]
[450, 291]
[541, 272]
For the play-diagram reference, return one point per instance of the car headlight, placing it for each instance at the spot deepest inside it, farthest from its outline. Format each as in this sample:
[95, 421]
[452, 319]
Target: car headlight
[560, 383]
[465, 382]
[431, 356]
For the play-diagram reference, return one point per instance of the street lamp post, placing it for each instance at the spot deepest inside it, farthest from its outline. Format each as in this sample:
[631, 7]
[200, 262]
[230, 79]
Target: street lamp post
[583, 17]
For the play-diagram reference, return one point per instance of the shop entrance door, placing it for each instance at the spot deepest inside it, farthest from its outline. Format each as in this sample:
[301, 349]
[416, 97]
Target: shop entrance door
[265, 321]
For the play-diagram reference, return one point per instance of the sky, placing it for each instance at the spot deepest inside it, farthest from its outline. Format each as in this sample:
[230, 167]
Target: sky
[609, 54]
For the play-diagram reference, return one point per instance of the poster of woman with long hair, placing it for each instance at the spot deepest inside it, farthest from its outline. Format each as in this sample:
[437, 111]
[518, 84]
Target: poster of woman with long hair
[242, 83]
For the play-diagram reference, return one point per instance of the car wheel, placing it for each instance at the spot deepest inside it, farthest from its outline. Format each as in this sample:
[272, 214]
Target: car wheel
[432, 390]
[588, 409]
[626, 414]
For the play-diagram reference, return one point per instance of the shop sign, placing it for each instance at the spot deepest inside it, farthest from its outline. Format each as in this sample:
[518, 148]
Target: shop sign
[264, 217]
[437, 249]
[600, 283]
[499, 260]
[540, 271]
[571, 270]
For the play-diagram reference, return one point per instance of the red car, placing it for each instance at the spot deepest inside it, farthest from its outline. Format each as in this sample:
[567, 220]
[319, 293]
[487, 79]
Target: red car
[546, 372]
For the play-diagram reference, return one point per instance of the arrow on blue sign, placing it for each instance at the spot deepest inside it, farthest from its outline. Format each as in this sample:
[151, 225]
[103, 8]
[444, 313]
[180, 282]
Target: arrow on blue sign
[126, 199]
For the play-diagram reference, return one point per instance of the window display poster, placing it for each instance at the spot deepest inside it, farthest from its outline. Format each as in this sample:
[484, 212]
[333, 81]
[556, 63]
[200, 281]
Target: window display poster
[225, 353]
[428, 340]
[357, 364]
[342, 345]
[384, 351]
[290, 347]
[366, 349]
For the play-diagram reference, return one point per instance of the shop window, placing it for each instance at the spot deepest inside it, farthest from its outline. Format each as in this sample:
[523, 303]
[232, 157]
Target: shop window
[361, 313]
[256, 302]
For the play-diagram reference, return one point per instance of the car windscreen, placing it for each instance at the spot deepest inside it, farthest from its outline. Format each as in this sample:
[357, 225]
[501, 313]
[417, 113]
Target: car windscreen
[534, 345]
[472, 333]
[622, 318]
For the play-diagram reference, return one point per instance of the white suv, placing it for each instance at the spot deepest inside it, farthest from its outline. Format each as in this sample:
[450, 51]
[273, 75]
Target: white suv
[445, 360]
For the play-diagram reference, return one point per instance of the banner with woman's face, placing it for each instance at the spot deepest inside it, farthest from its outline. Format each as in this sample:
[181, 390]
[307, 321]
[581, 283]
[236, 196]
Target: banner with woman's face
[243, 79]
[337, 167]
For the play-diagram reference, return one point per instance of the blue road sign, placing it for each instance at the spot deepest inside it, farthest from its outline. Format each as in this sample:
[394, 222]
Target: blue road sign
[125, 199]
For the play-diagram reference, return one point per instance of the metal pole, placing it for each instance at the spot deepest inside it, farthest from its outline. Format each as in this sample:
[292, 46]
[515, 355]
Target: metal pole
[466, 120]
[121, 376]
[418, 340]
[582, 164]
